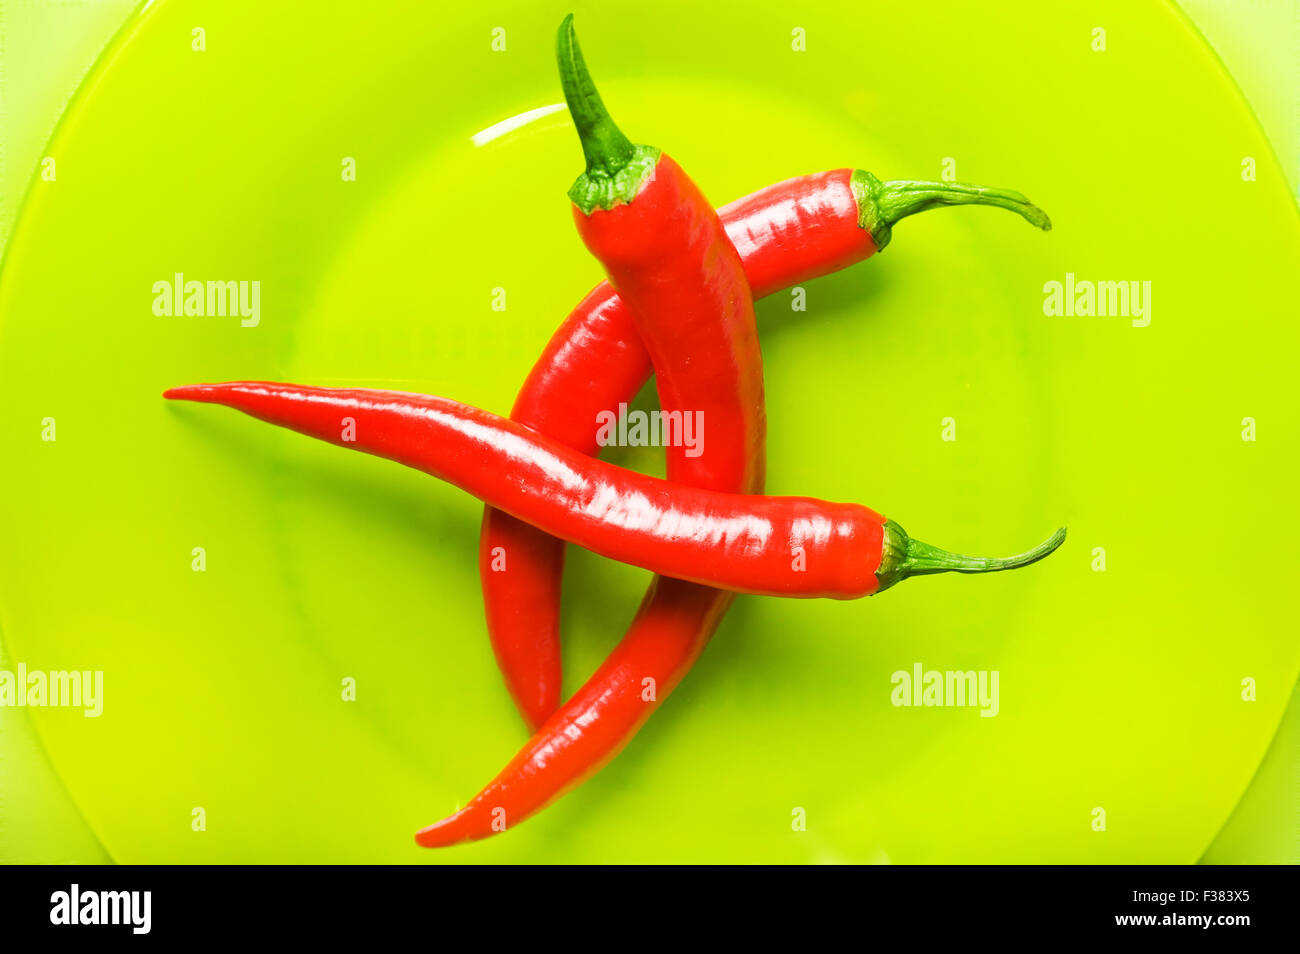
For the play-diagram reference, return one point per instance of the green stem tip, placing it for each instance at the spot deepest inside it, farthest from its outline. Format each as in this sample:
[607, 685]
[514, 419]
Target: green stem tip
[882, 204]
[903, 556]
[603, 143]
[616, 168]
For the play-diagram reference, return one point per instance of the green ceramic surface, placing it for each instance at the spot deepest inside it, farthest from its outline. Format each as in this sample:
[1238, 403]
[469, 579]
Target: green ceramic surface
[1119, 690]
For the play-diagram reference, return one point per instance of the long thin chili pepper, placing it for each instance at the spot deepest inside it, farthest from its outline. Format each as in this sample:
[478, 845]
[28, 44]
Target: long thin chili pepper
[792, 546]
[786, 234]
[683, 283]
[769, 545]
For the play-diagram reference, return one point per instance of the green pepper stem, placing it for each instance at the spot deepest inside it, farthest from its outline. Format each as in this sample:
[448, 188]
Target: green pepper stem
[903, 556]
[608, 151]
[616, 169]
[882, 204]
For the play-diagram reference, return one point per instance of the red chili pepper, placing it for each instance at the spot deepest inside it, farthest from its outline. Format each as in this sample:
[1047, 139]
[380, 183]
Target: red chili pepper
[786, 234]
[683, 283]
[737, 542]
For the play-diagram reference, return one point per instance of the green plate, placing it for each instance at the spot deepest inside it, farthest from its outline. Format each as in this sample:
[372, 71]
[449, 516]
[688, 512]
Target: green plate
[1119, 690]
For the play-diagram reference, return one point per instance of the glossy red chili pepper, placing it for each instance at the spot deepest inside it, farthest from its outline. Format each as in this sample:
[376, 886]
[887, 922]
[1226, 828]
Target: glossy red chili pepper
[743, 543]
[786, 234]
[790, 546]
[683, 283]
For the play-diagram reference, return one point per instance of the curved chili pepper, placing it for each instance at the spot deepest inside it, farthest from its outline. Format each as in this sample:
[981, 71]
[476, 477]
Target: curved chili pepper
[737, 542]
[786, 234]
[683, 283]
